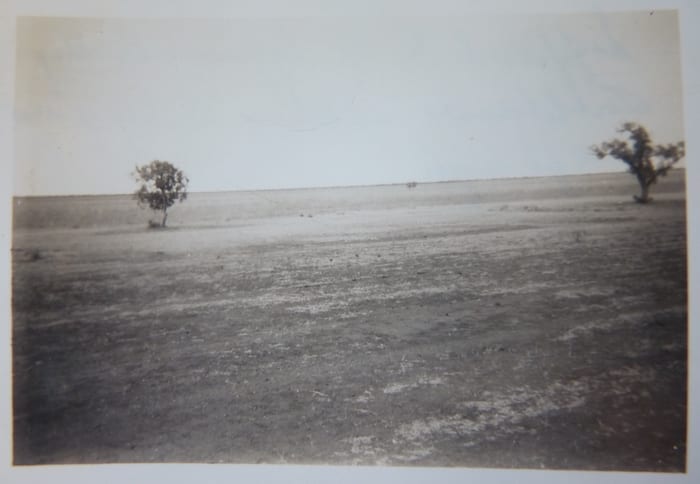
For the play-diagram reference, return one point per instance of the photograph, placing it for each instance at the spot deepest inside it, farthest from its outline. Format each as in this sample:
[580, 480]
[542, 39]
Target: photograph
[447, 241]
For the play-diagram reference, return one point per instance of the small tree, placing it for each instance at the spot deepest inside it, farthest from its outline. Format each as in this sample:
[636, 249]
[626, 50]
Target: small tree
[640, 156]
[161, 185]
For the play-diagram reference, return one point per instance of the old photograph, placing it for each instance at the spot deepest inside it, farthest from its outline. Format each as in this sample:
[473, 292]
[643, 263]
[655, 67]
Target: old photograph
[423, 241]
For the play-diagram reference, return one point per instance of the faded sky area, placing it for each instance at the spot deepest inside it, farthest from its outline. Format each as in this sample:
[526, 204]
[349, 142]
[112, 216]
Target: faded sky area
[282, 103]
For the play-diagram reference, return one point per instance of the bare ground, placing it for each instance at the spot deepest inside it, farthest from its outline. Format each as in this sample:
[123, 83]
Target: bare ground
[538, 334]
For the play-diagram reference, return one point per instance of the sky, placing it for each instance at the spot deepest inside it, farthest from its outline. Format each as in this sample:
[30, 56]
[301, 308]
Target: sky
[285, 102]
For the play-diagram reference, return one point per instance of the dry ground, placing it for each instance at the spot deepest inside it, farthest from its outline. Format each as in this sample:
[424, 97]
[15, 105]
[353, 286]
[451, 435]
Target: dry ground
[546, 333]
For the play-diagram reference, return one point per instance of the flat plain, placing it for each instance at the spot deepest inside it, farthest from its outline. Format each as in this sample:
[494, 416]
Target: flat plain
[523, 323]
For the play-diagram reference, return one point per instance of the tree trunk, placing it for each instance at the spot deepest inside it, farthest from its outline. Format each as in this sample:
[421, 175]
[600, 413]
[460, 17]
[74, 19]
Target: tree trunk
[165, 208]
[644, 197]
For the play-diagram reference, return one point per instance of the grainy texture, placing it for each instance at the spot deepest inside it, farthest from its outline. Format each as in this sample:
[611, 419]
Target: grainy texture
[518, 323]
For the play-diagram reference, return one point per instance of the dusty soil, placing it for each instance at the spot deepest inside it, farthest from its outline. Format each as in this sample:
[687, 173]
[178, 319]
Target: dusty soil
[536, 333]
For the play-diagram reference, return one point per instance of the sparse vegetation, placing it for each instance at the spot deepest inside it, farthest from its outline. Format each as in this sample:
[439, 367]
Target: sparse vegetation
[641, 156]
[161, 185]
[154, 224]
[487, 337]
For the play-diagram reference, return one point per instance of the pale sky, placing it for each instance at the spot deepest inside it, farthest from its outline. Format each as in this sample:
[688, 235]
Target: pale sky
[299, 102]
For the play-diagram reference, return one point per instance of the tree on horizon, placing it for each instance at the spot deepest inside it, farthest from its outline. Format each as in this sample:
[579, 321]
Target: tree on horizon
[161, 185]
[641, 155]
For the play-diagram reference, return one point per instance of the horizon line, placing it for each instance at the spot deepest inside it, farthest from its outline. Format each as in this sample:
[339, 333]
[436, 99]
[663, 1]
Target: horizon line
[327, 187]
